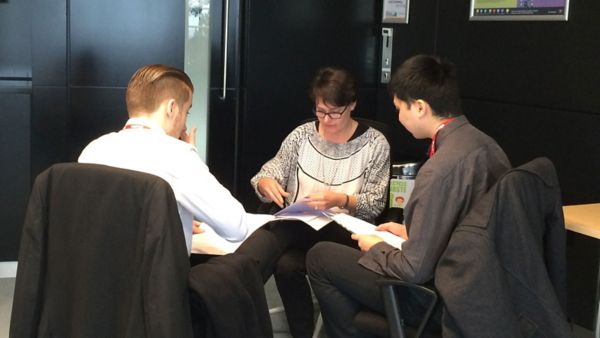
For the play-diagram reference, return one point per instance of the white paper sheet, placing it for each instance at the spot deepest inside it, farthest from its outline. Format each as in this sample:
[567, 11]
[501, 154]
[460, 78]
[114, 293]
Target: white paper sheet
[358, 226]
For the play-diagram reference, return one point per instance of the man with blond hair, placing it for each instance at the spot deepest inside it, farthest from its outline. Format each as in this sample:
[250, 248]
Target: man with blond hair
[155, 140]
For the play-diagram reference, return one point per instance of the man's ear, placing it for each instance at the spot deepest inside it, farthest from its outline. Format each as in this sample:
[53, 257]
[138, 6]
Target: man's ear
[423, 107]
[171, 108]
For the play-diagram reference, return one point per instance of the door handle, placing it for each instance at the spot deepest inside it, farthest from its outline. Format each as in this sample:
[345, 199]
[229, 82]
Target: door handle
[225, 43]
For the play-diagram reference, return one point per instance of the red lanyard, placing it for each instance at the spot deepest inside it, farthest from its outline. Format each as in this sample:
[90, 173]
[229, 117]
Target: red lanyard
[135, 126]
[442, 125]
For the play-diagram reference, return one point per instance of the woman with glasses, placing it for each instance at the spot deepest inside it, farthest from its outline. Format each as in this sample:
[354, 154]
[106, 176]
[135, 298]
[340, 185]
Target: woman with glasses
[333, 162]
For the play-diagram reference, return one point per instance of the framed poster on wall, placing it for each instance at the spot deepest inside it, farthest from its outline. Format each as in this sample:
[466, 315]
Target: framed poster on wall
[519, 10]
[395, 11]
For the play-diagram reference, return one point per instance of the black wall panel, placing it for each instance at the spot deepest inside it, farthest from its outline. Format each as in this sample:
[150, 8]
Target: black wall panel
[94, 112]
[64, 66]
[49, 112]
[108, 42]
[419, 36]
[565, 137]
[14, 171]
[49, 42]
[15, 108]
[545, 64]
[531, 85]
[285, 43]
[110, 39]
[48, 127]
[15, 44]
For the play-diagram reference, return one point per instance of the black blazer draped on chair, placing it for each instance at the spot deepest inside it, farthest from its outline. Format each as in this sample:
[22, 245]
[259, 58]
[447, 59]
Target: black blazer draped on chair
[102, 255]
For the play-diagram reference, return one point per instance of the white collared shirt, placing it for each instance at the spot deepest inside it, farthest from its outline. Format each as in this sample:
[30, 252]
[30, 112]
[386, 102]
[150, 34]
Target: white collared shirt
[144, 146]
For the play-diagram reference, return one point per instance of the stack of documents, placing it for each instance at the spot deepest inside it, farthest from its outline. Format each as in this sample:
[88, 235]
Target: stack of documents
[209, 242]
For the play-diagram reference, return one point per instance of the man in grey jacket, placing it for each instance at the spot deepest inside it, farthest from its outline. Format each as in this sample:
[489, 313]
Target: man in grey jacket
[464, 163]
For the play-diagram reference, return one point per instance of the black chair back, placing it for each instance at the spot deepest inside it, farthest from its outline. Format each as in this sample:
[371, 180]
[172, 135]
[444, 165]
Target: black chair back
[102, 255]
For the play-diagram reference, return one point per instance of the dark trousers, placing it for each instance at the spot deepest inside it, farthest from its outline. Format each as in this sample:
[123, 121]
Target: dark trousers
[228, 299]
[343, 288]
[279, 248]
[242, 284]
[264, 248]
[296, 238]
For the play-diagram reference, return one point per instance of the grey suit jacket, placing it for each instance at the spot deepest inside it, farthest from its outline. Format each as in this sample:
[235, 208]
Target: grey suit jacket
[503, 272]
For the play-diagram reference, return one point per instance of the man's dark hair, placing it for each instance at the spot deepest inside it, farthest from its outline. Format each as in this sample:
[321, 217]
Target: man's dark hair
[431, 79]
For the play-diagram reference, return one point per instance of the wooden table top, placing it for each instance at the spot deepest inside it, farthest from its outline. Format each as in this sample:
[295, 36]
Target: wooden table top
[583, 218]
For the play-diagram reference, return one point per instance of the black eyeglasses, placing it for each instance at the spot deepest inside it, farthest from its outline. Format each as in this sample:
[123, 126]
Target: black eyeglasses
[332, 115]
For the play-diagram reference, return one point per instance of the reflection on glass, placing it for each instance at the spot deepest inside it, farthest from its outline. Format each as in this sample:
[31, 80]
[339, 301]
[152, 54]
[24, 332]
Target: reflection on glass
[197, 62]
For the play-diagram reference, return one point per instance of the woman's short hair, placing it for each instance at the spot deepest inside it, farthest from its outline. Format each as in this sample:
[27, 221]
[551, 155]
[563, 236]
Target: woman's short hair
[334, 85]
[152, 84]
[431, 79]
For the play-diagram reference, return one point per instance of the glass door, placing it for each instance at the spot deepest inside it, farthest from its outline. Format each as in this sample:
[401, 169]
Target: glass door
[197, 66]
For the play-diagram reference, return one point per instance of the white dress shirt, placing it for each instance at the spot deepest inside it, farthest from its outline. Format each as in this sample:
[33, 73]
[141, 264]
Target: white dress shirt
[144, 146]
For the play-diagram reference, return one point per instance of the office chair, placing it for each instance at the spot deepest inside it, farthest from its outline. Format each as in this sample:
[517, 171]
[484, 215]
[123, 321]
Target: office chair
[391, 324]
[503, 273]
[102, 255]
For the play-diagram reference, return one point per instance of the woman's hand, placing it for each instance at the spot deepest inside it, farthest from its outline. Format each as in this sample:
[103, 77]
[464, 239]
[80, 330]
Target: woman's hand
[395, 228]
[365, 242]
[272, 190]
[326, 200]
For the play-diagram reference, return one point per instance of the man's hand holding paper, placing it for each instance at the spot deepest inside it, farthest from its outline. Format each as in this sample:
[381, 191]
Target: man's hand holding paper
[395, 228]
[368, 235]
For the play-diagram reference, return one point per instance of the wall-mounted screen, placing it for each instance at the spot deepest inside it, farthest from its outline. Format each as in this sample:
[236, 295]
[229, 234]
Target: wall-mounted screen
[510, 10]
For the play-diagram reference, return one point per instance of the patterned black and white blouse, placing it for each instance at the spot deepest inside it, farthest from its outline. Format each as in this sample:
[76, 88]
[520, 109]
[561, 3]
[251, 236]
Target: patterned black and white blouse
[306, 163]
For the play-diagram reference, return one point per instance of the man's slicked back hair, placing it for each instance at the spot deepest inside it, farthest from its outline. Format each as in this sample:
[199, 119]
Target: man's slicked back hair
[152, 84]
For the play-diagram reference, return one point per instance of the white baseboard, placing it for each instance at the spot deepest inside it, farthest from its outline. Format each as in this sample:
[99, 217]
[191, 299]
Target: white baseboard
[8, 269]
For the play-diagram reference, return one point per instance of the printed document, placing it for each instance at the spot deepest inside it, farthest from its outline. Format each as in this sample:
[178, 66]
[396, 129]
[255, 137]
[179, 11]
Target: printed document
[209, 242]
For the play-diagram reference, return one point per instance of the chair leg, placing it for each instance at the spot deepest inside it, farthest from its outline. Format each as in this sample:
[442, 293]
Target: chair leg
[427, 315]
[393, 310]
